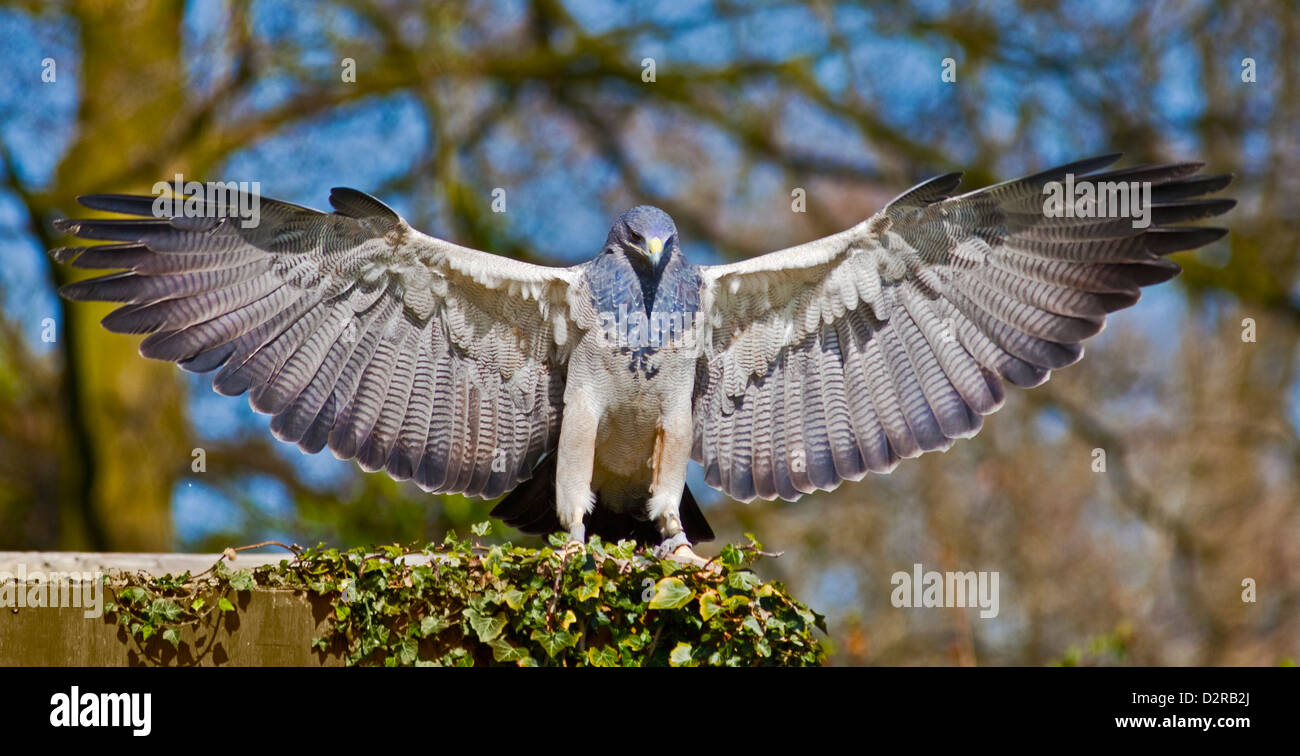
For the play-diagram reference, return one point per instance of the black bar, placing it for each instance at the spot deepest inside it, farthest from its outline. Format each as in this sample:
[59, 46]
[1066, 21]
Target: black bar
[986, 705]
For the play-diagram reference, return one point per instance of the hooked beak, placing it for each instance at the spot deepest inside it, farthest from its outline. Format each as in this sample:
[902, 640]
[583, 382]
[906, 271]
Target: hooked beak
[655, 246]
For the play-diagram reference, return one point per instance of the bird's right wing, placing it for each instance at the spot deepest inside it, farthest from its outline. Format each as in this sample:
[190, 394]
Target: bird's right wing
[441, 363]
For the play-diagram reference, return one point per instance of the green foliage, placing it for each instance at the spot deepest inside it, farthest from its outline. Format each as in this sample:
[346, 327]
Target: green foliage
[1107, 648]
[460, 603]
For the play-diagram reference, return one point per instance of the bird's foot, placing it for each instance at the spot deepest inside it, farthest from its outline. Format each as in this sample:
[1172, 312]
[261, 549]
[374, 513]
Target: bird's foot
[679, 549]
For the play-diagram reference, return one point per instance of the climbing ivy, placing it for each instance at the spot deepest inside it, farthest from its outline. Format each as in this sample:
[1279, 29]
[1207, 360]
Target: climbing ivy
[462, 603]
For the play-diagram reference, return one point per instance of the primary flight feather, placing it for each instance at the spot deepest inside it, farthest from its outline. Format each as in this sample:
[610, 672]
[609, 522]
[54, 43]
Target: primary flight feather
[593, 385]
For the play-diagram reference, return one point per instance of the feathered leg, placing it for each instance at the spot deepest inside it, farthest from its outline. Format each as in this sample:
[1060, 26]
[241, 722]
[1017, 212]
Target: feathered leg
[574, 498]
[672, 451]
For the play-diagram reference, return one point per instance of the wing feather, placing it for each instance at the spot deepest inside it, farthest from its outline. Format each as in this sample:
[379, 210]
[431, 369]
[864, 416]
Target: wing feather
[375, 451]
[408, 445]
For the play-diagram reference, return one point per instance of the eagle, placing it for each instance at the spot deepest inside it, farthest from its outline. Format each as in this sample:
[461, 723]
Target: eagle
[583, 392]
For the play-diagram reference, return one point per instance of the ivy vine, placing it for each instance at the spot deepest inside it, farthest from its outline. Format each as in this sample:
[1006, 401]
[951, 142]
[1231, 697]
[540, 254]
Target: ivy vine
[461, 603]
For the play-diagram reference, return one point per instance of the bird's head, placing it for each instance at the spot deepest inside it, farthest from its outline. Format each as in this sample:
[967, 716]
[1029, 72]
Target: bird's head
[646, 233]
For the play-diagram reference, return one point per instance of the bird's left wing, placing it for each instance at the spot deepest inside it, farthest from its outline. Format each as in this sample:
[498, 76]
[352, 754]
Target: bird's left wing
[841, 356]
[441, 363]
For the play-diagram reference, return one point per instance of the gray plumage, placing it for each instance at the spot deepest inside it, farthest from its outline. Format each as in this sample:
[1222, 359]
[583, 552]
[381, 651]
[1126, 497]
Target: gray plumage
[782, 374]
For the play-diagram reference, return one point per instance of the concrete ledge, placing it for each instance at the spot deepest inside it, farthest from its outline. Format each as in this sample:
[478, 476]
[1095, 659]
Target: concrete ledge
[271, 627]
[107, 562]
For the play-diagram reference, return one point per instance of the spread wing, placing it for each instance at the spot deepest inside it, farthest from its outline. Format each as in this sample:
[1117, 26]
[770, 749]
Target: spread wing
[440, 363]
[841, 356]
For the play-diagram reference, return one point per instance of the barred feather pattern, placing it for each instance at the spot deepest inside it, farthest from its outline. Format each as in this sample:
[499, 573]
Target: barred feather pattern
[840, 357]
[435, 362]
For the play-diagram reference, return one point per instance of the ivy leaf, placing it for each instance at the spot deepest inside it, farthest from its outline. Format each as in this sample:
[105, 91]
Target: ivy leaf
[224, 605]
[485, 626]
[503, 651]
[163, 611]
[671, 593]
[433, 624]
[408, 651]
[709, 605]
[514, 598]
[132, 595]
[198, 603]
[171, 636]
[603, 656]
[743, 581]
[481, 529]
[736, 601]
[681, 656]
[553, 643]
[732, 556]
[634, 642]
[243, 581]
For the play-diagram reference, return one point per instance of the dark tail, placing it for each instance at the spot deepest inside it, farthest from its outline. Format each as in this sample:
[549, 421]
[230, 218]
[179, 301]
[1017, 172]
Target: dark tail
[531, 508]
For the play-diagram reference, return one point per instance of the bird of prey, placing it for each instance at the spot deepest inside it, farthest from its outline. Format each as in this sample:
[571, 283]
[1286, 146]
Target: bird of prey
[593, 386]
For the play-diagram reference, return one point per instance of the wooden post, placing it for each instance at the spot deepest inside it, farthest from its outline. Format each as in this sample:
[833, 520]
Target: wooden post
[272, 627]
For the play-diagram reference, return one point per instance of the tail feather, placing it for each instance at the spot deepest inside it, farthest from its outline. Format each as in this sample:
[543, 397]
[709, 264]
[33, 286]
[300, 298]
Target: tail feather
[693, 522]
[531, 508]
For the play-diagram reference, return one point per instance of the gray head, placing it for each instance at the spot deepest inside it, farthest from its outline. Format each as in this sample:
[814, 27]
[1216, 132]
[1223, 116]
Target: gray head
[644, 233]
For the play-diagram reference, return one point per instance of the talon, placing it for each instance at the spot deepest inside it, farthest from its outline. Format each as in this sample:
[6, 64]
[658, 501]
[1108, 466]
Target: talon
[686, 555]
[573, 548]
[679, 549]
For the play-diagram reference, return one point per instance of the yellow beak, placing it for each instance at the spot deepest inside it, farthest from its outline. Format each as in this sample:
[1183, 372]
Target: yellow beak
[656, 246]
